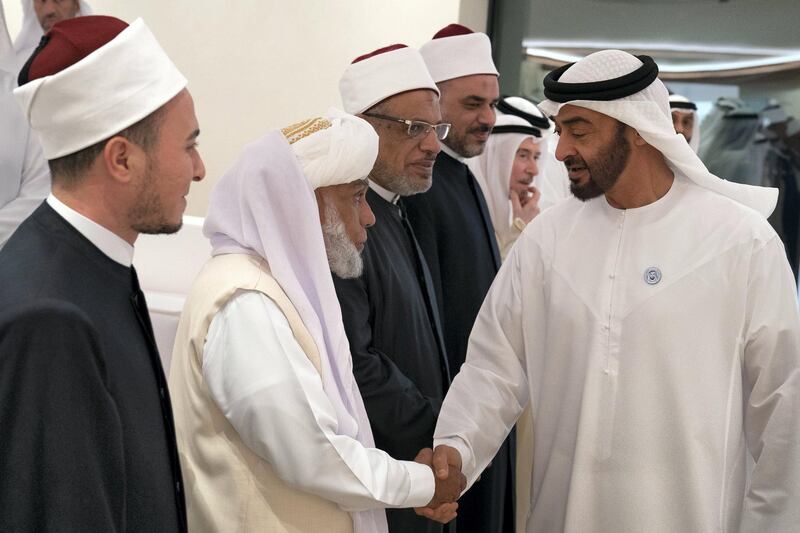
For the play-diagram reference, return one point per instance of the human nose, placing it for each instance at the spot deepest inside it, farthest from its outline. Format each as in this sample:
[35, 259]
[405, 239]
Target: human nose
[48, 7]
[366, 215]
[487, 115]
[430, 142]
[564, 148]
[533, 167]
[199, 169]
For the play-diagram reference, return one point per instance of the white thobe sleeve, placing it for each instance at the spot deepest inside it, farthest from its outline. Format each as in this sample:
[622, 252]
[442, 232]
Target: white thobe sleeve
[273, 396]
[33, 189]
[771, 383]
[491, 389]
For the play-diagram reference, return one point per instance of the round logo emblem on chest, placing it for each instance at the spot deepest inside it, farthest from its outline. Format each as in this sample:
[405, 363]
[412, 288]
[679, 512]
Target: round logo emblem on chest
[652, 275]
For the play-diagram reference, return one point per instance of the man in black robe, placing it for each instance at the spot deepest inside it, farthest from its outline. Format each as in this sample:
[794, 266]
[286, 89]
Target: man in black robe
[455, 233]
[390, 313]
[88, 440]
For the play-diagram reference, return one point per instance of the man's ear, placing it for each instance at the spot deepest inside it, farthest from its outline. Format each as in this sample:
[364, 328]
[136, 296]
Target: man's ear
[123, 159]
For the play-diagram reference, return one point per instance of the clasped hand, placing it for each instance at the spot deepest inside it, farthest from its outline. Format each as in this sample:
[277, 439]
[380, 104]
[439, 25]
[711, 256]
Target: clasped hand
[450, 482]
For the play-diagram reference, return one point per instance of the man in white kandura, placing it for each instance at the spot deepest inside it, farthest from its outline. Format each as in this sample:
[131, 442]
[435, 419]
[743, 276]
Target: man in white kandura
[651, 324]
[271, 425]
[508, 166]
[684, 119]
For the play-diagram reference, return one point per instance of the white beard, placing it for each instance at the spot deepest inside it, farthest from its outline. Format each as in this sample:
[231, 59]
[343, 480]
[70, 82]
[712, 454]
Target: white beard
[344, 259]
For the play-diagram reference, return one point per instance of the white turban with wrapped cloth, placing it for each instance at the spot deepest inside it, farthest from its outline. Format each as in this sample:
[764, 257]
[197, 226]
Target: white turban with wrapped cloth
[627, 88]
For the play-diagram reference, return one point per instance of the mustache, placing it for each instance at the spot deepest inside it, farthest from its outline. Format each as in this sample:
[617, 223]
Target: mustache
[574, 161]
[480, 129]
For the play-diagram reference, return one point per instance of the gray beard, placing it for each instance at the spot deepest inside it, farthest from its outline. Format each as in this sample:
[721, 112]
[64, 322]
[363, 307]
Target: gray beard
[344, 259]
[398, 184]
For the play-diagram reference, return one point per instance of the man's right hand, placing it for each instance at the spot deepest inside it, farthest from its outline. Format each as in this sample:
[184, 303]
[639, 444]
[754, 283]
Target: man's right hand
[525, 208]
[450, 482]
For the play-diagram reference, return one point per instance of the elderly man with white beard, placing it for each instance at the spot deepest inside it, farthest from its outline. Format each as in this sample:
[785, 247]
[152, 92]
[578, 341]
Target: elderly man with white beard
[652, 326]
[271, 425]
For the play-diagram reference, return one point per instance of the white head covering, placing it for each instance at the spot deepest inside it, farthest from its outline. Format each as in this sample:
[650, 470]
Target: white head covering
[112, 88]
[265, 206]
[709, 128]
[383, 73]
[324, 148]
[678, 99]
[733, 151]
[553, 179]
[792, 127]
[31, 32]
[647, 111]
[492, 169]
[457, 51]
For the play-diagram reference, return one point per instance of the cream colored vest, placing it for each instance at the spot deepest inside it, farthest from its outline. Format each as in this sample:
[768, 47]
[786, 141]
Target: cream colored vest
[229, 488]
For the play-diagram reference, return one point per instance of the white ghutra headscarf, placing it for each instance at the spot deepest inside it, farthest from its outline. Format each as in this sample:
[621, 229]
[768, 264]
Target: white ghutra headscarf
[681, 104]
[602, 82]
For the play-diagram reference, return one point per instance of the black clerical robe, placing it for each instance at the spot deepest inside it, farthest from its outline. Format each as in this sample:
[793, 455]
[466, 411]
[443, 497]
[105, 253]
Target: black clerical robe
[391, 320]
[452, 224]
[87, 442]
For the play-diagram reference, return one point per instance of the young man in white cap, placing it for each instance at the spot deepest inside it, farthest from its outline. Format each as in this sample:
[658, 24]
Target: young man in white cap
[273, 431]
[89, 443]
[26, 180]
[390, 312]
[684, 119]
[652, 326]
[38, 17]
[454, 229]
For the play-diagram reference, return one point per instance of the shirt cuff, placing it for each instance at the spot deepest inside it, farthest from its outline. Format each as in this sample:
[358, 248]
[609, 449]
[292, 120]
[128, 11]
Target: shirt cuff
[467, 462]
[423, 484]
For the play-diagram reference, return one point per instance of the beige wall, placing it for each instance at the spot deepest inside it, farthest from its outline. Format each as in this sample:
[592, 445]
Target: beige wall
[255, 65]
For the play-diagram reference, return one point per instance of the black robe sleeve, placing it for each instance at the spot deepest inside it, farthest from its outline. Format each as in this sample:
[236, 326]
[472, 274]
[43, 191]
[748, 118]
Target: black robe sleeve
[61, 452]
[402, 418]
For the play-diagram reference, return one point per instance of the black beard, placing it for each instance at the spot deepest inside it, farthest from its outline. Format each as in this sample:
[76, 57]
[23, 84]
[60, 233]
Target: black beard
[605, 170]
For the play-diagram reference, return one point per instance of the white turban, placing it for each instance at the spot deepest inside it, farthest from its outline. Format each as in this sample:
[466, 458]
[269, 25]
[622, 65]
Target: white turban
[112, 88]
[647, 111]
[334, 149]
[456, 51]
[386, 72]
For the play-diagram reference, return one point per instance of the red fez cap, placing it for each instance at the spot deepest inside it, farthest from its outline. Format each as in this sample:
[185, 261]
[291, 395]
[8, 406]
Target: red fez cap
[379, 51]
[452, 30]
[68, 42]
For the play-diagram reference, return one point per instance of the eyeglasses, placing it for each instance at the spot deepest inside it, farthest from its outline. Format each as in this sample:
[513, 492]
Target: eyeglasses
[417, 128]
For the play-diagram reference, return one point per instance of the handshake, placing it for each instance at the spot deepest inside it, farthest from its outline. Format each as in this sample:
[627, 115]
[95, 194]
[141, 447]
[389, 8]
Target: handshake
[450, 482]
